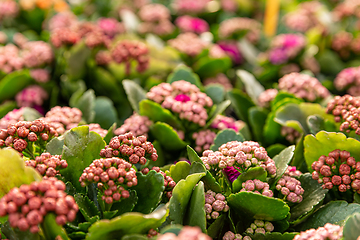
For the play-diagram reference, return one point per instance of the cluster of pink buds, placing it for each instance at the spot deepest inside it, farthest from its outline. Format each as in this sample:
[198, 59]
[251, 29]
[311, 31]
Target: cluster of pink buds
[28, 205]
[229, 5]
[290, 134]
[329, 231]
[229, 235]
[285, 47]
[292, 172]
[214, 161]
[203, 140]
[40, 75]
[132, 149]
[47, 164]
[184, 99]
[222, 122]
[188, 23]
[8, 9]
[290, 188]
[266, 97]
[342, 43]
[259, 226]
[189, 6]
[112, 175]
[219, 79]
[345, 9]
[12, 117]
[186, 233]
[136, 124]
[152, 233]
[258, 187]
[346, 109]
[303, 86]
[169, 183]
[337, 170]
[17, 135]
[215, 204]
[31, 96]
[63, 118]
[127, 51]
[188, 43]
[95, 127]
[156, 19]
[239, 25]
[349, 79]
[110, 26]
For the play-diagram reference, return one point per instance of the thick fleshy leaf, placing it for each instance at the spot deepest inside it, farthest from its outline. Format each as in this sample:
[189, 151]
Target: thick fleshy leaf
[192, 155]
[252, 86]
[179, 171]
[257, 119]
[241, 104]
[14, 173]
[335, 212]
[157, 113]
[282, 160]
[6, 107]
[250, 174]
[183, 72]
[30, 114]
[13, 83]
[257, 206]
[208, 67]
[86, 104]
[324, 142]
[51, 229]
[196, 215]
[351, 229]
[105, 112]
[87, 208]
[224, 136]
[167, 136]
[135, 237]
[81, 147]
[219, 108]
[274, 236]
[125, 205]
[76, 60]
[110, 134]
[149, 190]
[55, 145]
[15, 233]
[181, 197]
[275, 149]
[215, 228]
[313, 195]
[128, 223]
[315, 124]
[211, 183]
[134, 92]
[216, 92]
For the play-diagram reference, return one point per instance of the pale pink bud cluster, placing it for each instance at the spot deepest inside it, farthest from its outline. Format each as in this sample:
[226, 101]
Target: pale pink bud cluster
[266, 97]
[258, 187]
[219, 79]
[3, 37]
[337, 170]
[341, 43]
[203, 140]
[63, 118]
[188, 43]
[95, 127]
[214, 161]
[156, 19]
[229, 5]
[12, 117]
[132, 149]
[161, 28]
[184, 99]
[8, 9]
[290, 134]
[189, 6]
[28, 205]
[188, 23]
[169, 183]
[290, 188]
[127, 51]
[229, 235]
[329, 231]
[349, 79]
[31, 96]
[186, 233]
[19, 134]
[239, 25]
[292, 172]
[216, 51]
[346, 109]
[215, 204]
[346, 9]
[259, 226]
[290, 67]
[136, 124]
[47, 164]
[222, 122]
[285, 47]
[110, 26]
[112, 176]
[303, 86]
[40, 75]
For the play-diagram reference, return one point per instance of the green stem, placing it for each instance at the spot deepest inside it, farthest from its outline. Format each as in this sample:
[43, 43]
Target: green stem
[51, 229]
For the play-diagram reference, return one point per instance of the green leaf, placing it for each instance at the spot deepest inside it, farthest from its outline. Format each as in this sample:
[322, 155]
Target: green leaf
[257, 206]
[192, 155]
[128, 223]
[30, 114]
[15, 233]
[252, 86]
[183, 72]
[76, 60]
[257, 119]
[179, 171]
[134, 92]
[274, 236]
[81, 147]
[216, 227]
[86, 104]
[105, 112]
[156, 113]
[55, 145]
[87, 208]
[241, 104]
[196, 215]
[13, 83]
[167, 136]
[216, 92]
[51, 229]
[211, 183]
[6, 107]
[224, 136]
[218, 110]
[125, 205]
[315, 123]
[351, 229]
[109, 214]
[208, 67]
[250, 174]
[181, 197]
[135, 237]
[324, 142]
[282, 160]
[110, 134]
[275, 149]
[14, 173]
[313, 195]
[335, 212]
[149, 190]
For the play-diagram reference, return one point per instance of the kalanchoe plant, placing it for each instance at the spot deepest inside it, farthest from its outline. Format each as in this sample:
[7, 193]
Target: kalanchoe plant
[259, 226]
[47, 164]
[215, 204]
[329, 231]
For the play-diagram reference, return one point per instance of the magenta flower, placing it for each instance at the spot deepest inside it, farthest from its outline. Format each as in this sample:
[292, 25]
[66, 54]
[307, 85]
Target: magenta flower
[182, 98]
[231, 173]
[232, 51]
[192, 24]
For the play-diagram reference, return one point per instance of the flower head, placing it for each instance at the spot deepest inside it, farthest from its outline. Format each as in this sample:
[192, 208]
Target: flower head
[187, 23]
[47, 164]
[329, 231]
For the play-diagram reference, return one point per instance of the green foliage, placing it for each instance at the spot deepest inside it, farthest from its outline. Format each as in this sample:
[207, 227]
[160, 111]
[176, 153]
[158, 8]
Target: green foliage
[218, 110]
[167, 136]
[257, 119]
[183, 72]
[86, 104]
[15, 233]
[351, 228]
[282, 160]
[225, 136]
[252, 86]
[241, 104]
[6, 107]
[51, 229]
[87, 208]
[216, 92]
[274, 236]
[13, 83]
[250, 174]
[105, 112]
[55, 145]
[134, 92]
[209, 67]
